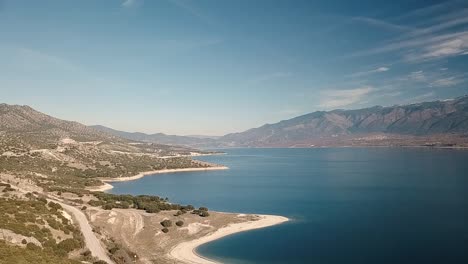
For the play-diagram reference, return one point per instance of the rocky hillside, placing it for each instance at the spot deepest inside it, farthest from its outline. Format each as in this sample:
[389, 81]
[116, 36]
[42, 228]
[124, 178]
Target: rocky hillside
[68, 155]
[33, 129]
[24, 120]
[423, 119]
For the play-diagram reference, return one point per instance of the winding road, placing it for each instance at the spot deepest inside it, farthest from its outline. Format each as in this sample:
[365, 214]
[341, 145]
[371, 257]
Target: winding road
[92, 242]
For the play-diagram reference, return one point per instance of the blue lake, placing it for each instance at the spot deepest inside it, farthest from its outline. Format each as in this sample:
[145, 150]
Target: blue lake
[348, 205]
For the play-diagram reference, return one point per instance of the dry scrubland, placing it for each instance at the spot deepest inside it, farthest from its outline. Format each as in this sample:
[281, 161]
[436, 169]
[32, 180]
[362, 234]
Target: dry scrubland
[48, 213]
[41, 231]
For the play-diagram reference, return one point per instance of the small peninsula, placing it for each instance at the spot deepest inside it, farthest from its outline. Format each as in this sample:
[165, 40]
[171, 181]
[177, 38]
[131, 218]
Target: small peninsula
[56, 172]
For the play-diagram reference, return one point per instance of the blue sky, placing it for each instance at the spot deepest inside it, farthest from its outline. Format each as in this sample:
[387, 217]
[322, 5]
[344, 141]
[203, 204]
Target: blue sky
[213, 67]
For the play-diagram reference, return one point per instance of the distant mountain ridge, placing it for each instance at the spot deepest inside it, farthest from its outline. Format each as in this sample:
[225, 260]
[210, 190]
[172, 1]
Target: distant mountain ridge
[422, 119]
[29, 128]
[394, 125]
[161, 138]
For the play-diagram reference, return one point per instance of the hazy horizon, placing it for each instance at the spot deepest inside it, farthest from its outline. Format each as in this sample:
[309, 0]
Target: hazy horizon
[184, 67]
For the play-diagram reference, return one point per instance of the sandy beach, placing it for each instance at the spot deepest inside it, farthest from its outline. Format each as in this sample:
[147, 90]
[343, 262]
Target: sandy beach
[185, 252]
[108, 186]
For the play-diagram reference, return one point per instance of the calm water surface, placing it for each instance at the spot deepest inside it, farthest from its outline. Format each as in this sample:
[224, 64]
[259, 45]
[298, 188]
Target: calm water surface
[348, 205]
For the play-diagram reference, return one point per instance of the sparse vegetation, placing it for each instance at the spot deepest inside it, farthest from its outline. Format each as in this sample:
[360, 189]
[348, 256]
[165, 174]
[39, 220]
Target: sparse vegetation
[151, 204]
[204, 214]
[166, 223]
[30, 254]
[202, 211]
[180, 212]
[36, 218]
[64, 158]
[179, 223]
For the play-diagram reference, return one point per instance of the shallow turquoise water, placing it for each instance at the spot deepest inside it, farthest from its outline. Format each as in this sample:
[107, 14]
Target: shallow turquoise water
[348, 205]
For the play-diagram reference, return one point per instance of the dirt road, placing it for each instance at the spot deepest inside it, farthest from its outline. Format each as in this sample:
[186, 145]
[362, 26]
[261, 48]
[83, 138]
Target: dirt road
[92, 242]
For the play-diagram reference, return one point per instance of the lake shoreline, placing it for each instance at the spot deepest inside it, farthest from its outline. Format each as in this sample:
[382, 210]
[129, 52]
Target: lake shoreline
[106, 186]
[185, 252]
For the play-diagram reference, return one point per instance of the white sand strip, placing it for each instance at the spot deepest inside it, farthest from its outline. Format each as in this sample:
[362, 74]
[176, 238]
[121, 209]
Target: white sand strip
[107, 186]
[185, 251]
[101, 188]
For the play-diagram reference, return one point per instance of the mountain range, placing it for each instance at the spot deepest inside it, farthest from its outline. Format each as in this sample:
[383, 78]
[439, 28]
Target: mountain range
[161, 138]
[428, 123]
[27, 128]
[441, 123]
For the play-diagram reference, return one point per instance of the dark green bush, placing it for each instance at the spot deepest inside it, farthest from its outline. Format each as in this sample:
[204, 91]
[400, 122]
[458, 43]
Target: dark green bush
[32, 246]
[166, 223]
[180, 212]
[108, 206]
[204, 214]
[69, 244]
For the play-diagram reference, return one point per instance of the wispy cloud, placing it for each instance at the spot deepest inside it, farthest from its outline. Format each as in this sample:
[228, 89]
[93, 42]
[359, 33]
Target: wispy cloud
[192, 9]
[446, 82]
[441, 36]
[130, 3]
[417, 76]
[426, 11]
[433, 79]
[443, 22]
[364, 73]
[341, 98]
[382, 24]
[408, 44]
[455, 46]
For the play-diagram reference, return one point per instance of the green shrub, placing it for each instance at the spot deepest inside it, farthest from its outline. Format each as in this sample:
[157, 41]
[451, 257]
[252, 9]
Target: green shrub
[166, 223]
[180, 212]
[204, 214]
[69, 244]
[32, 246]
[165, 230]
[108, 206]
[180, 223]
[15, 254]
[188, 207]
